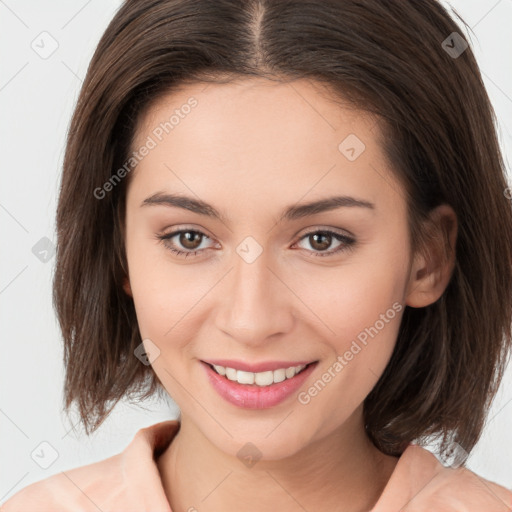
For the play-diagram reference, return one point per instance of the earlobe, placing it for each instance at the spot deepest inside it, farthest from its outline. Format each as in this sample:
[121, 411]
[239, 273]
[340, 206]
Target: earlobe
[126, 287]
[424, 286]
[432, 269]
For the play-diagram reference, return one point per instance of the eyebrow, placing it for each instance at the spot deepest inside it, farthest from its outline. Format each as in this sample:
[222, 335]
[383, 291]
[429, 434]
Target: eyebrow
[292, 212]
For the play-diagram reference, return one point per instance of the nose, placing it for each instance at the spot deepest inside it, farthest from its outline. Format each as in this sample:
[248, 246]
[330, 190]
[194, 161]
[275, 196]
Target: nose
[255, 304]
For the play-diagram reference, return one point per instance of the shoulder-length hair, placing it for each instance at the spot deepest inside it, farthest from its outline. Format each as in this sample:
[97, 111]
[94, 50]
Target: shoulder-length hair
[399, 60]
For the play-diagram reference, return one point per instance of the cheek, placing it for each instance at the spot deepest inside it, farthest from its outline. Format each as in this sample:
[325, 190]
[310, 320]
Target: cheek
[171, 299]
[368, 311]
[161, 291]
[163, 301]
[361, 307]
[358, 355]
[348, 301]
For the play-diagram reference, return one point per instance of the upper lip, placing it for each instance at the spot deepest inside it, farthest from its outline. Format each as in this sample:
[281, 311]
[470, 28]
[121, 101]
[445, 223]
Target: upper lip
[263, 366]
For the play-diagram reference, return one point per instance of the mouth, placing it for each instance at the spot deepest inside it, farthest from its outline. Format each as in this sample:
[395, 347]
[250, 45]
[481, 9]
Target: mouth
[257, 390]
[261, 378]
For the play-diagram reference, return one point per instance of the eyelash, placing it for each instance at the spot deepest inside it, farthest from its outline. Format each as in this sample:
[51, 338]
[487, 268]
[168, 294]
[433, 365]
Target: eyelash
[348, 243]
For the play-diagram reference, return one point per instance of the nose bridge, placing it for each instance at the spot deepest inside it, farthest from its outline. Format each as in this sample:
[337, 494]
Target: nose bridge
[254, 307]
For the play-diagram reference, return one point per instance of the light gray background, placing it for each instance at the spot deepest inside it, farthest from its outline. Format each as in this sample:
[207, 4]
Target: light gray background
[37, 96]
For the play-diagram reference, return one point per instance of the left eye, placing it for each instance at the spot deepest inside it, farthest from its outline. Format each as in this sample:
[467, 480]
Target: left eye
[188, 239]
[320, 240]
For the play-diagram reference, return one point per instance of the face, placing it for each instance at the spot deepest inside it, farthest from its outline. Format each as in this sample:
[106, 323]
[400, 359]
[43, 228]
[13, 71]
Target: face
[260, 282]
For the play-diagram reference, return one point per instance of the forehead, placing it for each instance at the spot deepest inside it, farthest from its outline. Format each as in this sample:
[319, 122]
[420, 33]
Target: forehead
[271, 138]
[256, 106]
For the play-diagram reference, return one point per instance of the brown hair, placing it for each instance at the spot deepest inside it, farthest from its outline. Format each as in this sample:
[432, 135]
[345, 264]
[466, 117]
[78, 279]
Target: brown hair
[387, 58]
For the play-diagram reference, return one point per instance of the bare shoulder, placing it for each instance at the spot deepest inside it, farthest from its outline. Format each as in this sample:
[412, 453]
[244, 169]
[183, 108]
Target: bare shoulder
[83, 488]
[125, 482]
[462, 489]
[472, 489]
[421, 483]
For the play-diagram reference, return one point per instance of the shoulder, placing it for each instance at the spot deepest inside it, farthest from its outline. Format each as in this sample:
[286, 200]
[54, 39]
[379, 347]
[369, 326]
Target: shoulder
[75, 489]
[420, 483]
[128, 481]
[463, 490]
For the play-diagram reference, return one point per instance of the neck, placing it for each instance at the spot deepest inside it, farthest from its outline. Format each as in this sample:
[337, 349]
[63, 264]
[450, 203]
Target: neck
[342, 471]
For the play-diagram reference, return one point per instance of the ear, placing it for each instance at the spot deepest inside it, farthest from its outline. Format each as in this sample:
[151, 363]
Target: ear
[432, 267]
[126, 286]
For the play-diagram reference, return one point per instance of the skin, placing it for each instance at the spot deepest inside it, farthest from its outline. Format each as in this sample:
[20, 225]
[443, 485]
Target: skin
[250, 149]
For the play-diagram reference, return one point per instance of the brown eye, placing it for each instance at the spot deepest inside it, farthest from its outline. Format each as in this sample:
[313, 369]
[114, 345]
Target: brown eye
[185, 242]
[321, 240]
[190, 239]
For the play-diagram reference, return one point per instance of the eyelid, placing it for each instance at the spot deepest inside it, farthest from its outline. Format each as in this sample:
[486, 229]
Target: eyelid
[338, 231]
[180, 228]
[165, 238]
[185, 227]
[347, 241]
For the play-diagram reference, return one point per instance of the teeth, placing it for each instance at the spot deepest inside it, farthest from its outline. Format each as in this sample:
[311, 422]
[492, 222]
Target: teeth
[220, 369]
[244, 377]
[279, 375]
[290, 372]
[261, 378]
[231, 373]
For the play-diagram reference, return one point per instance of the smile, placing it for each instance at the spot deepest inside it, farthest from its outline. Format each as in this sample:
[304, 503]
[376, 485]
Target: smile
[261, 378]
[257, 389]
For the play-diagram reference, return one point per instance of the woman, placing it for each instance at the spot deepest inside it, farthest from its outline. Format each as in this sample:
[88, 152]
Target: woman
[291, 217]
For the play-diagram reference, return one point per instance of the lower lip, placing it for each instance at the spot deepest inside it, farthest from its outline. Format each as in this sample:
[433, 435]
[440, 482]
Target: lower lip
[252, 396]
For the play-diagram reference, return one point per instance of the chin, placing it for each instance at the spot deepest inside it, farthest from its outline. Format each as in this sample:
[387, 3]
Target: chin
[269, 440]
